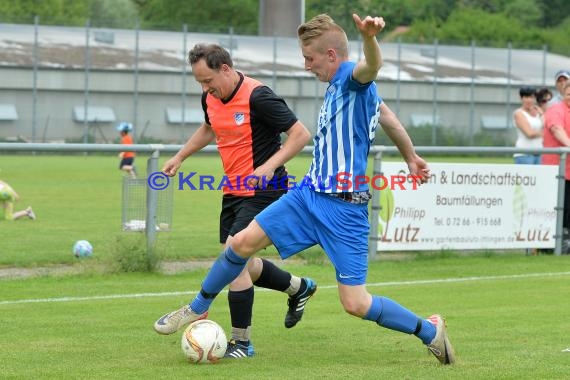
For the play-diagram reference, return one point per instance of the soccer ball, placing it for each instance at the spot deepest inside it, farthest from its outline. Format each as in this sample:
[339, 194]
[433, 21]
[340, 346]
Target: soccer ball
[82, 248]
[204, 341]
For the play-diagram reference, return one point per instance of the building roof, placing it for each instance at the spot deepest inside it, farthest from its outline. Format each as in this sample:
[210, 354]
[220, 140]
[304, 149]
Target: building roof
[114, 49]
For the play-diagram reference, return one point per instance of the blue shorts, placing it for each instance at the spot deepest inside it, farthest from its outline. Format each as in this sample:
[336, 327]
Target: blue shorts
[303, 218]
[527, 159]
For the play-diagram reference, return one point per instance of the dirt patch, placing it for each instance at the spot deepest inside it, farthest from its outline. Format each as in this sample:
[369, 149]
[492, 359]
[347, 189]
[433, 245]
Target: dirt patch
[166, 267]
[15, 272]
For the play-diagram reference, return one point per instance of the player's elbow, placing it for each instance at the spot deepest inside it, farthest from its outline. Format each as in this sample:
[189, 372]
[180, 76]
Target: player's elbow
[306, 135]
[367, 74]
[300, 134]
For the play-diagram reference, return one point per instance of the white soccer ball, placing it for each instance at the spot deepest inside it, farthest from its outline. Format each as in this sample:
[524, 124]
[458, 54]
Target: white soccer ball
[82, 248]
[204, 341]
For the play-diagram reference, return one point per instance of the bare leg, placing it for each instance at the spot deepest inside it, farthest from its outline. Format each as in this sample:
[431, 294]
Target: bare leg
[19, 214]
[250, 240]
[355, 299]
[129, 170]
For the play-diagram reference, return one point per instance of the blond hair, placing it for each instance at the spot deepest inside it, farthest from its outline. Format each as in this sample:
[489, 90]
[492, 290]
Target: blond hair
[325, 33]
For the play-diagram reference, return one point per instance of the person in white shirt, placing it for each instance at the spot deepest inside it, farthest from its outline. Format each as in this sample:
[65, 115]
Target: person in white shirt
[528, 120]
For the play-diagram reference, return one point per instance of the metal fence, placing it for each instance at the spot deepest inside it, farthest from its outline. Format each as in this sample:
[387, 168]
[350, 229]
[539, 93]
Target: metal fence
[377, 151]
[428, 84]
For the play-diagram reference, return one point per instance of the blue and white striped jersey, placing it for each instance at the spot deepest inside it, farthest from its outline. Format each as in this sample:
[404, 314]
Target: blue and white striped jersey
[347, 123]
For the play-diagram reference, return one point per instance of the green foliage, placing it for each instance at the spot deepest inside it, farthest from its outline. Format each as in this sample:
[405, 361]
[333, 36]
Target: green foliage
[129, 254]
[395, 12]
[555, 12]
[495, 23]
[51, 12]
[201, 15]
[557, 39]
[524, 23]
[527, 12]
[121, 14]
[476, 25]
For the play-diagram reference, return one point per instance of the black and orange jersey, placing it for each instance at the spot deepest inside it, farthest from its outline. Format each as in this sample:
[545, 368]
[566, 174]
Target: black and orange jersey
[247, 126]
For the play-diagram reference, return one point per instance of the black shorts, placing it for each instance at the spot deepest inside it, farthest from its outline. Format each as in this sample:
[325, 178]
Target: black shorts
[238, 212]
[126, 162]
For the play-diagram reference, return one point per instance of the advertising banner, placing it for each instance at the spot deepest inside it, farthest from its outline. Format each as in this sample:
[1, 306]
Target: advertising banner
[467, 206]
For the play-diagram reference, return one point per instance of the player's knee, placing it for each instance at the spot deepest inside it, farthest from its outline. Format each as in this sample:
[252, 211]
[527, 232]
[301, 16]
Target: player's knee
[254, 267]
[241, 244]
[355, 306]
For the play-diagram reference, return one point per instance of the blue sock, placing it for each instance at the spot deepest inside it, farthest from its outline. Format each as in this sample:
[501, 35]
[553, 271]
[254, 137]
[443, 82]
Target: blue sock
[226, 268]
[427, 332]
[394, 316]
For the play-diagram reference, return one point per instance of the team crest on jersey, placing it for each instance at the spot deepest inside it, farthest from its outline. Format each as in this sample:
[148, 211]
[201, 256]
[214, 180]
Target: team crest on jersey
[239, 117]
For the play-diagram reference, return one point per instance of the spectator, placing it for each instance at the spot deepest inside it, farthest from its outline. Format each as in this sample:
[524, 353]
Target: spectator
[529, 123]
[543, 97]
[560, 80]
[7, 197]
[556, 134]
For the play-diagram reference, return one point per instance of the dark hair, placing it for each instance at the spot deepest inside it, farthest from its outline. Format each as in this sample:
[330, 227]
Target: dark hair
[543, 96]
[214, 55]
[527, 91]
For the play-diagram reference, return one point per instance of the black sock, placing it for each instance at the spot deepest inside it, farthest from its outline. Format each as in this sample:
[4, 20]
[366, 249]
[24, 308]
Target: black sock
[272, 277]
[241, 307]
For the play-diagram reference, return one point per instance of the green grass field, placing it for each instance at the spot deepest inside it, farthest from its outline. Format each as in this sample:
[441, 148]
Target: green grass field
[79, 197]
[507, 313]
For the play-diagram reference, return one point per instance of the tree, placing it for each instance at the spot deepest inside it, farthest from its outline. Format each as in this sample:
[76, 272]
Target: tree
[113, 13]
[466, 25]
[201, 15]
[51, 12]
[554, 11]
[528, 12]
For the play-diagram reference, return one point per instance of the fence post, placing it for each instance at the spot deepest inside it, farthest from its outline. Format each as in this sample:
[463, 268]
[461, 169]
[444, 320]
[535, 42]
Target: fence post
[35, 80]
[434, 111]
[86, 86]
[398, 75]
[509, 85]
[559, 237]
[274, 63]
[136, 79]
[183, 80]
[544, 55]
[472, 95]
[375, 210]
[151, 204]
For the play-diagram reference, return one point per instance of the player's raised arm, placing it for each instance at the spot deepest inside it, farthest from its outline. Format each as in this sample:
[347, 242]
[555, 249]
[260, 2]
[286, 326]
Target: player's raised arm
[367, 69]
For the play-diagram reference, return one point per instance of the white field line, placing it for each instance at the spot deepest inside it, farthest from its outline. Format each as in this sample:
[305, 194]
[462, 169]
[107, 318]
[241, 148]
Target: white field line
[377, 284]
